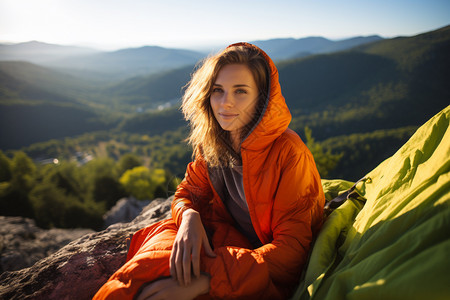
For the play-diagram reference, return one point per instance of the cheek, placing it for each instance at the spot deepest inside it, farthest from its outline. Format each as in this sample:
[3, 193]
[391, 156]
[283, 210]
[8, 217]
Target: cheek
[213, 103]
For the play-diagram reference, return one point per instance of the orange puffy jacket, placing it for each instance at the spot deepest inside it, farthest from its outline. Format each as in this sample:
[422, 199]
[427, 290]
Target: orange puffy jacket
[285, 200]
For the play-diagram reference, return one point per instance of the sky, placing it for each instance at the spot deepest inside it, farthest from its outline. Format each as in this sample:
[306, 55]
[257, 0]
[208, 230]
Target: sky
[196, 24]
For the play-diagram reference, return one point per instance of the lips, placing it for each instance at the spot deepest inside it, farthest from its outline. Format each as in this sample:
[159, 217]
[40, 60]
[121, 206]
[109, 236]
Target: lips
[227, 116]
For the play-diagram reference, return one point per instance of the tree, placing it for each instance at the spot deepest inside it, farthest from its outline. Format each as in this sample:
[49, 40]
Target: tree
[127, 162]
[14, 199]
[23, 170]
[141, 182]
[325, 161]
[5, 168]
[49, 203]
[66, 176]
[108, 190]
[54, 208]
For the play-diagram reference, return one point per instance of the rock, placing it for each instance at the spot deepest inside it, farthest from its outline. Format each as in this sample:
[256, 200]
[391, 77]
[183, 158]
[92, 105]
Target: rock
[22, 243]
[125, 210]
[79, 269]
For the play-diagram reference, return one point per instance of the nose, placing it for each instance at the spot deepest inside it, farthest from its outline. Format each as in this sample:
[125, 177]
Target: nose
[227, 100]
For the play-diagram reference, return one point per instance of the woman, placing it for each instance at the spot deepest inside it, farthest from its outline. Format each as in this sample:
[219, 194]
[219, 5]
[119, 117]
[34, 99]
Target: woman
[244, 216]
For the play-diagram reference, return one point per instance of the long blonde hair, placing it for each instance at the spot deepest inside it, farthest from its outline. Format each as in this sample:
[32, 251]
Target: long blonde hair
[206, 135]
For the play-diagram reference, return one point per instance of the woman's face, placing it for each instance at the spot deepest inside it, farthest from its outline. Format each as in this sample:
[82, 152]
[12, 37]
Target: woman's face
[234, 97]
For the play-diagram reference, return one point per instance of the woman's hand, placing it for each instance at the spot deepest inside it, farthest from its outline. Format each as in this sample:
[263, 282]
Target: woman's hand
[185, 255]
[168, 288]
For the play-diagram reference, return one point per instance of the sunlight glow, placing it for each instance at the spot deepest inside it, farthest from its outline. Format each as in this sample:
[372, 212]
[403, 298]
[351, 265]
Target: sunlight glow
[176, 23]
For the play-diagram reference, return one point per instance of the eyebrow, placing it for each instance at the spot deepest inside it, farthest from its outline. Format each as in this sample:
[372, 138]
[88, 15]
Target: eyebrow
[236, 85]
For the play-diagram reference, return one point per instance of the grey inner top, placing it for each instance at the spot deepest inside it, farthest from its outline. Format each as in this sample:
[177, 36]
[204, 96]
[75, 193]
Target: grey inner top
[229, 184]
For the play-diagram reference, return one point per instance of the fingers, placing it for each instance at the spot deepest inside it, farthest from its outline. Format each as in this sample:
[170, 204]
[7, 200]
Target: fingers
[176, 263]
[172, 263]
[179, 267]
[180, 262]
[207, 247]
[196, 260]
[187, 266]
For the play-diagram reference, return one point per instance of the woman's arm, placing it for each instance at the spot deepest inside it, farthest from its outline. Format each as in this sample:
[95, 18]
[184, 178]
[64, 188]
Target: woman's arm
[193, 194]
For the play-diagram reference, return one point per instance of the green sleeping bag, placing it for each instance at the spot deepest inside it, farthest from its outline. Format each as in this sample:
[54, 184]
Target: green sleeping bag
[396, 245]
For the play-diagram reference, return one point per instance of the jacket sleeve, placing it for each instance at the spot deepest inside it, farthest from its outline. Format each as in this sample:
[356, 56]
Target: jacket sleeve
[193, 192]
[272, 270]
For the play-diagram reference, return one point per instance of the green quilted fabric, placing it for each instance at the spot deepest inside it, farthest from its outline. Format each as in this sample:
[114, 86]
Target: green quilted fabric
[396, 245]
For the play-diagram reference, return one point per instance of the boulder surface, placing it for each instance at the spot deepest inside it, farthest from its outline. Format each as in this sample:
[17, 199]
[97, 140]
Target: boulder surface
[22, 243]
[125, 210]
[80, 268]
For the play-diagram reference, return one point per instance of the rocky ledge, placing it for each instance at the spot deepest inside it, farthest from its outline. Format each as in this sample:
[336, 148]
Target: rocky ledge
[80, 268]
[22, 243]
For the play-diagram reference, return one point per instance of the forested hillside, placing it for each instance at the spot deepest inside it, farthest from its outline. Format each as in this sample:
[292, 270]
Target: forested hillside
[147, 92]
[38, 104]
[370, 98]
[384, 85]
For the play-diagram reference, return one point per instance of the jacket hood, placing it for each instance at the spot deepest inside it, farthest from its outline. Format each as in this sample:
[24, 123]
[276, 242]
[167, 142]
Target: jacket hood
[275, 118]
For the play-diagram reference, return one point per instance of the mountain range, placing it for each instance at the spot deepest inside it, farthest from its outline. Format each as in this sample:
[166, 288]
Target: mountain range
[39, 52]
[125, 63]
[100, 65]
[144, 77]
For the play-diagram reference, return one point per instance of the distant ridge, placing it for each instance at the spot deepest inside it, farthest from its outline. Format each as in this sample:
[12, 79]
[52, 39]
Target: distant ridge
[39, 52]
[281, 49]
[18, 77]
[120, 64]
[133, 61]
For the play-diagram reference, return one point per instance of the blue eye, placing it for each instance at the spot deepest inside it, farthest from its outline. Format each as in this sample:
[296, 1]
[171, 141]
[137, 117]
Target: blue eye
[241, 91]
[217, 90]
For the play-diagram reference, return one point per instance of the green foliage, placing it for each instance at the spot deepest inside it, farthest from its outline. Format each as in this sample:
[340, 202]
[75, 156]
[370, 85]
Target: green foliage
[5, 168]
[61, 195]
[103, 166]
[67, 177]
[23, 170]
[107, 190]
[22, 165]
[128, 161]
[363, 152]
[101, 179]
[166, 151]
[14, 193]
[325, 161]
[54, 208]
[153, 123]
[142, 183]
[14, 201]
